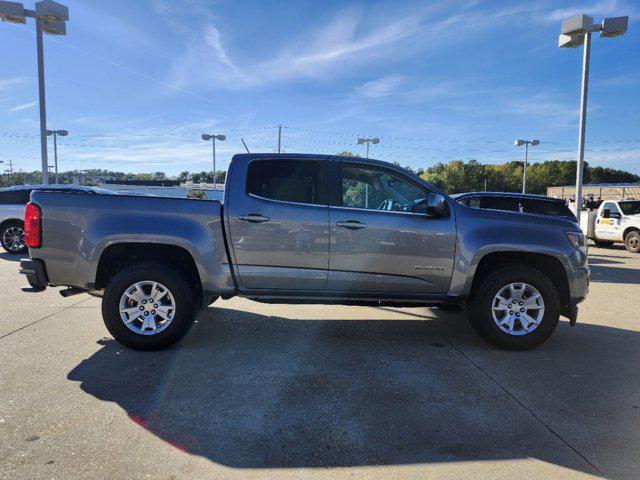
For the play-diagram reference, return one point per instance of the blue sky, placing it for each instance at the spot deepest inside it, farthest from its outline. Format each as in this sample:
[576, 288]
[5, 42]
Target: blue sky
[136, 83]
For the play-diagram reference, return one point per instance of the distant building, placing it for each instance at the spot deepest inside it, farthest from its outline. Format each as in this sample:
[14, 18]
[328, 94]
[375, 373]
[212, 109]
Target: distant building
[604, 191]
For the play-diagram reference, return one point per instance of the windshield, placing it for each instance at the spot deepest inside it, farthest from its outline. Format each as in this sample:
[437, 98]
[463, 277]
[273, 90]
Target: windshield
[630, 208]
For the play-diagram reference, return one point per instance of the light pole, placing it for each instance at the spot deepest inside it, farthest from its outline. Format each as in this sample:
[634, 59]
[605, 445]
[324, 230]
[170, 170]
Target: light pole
[526, 143]
[50, 17]
[210, 136]
[55, 133]
[575, 32]
[368, 141]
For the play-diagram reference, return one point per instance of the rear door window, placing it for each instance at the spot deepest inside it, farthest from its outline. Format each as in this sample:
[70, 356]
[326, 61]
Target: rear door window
[298, 181]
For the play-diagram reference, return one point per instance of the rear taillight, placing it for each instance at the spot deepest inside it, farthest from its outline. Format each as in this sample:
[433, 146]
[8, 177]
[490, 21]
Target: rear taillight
[32, 226]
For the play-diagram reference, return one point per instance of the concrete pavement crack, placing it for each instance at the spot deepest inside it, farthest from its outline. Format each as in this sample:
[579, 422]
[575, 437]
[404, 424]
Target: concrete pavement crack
[523, 406]
[43, 318]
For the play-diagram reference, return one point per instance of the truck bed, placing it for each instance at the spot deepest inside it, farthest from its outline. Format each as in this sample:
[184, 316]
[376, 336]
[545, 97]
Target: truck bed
[77, 228]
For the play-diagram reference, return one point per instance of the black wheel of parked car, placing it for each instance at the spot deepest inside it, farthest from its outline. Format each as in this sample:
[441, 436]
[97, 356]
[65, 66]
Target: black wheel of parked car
[632, 241]
[12, 237]
[603, 243]
[148, 306]
[515, 308]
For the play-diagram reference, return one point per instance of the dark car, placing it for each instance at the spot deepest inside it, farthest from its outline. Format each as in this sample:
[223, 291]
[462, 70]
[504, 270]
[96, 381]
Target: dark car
[517, 202]
[12, 204]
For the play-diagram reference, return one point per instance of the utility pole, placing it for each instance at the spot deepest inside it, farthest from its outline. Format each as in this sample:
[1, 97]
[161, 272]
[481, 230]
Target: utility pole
[42, 104]
[576, 31]
[583, 122]
[279, 138]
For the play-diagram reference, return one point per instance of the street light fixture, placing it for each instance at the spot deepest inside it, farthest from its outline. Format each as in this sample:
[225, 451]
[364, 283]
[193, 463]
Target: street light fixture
[368, 141]
[577, 31]
[210, 136]
[526, 143]
[50, 18]
[55, 133]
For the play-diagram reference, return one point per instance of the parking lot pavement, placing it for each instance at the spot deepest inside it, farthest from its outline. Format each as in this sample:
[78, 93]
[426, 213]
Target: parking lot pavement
[268, 391]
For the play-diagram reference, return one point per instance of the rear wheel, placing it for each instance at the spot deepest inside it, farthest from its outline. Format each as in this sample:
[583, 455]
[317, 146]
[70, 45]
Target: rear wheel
[148, 306]
[515, 308]
[12, 237]
[632, 241]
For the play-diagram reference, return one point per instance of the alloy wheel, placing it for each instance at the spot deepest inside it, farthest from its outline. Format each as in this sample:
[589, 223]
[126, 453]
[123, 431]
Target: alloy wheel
[13, 238]
[147, 307]
[518, 308]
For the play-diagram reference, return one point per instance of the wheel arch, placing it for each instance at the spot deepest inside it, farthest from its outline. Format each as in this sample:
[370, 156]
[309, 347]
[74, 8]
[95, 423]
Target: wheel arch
[11, 220]
[119, 255]
[547, 264]
[629, 230]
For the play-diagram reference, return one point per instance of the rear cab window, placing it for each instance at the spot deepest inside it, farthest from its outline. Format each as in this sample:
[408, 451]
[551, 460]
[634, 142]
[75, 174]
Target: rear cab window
[630, 207]
[547, 207]
[500, 203]
[296, 181]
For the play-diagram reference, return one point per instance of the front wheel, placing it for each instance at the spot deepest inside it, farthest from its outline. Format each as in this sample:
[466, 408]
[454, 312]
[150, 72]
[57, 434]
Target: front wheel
[632, 241]
[148, 306]
[515, 308]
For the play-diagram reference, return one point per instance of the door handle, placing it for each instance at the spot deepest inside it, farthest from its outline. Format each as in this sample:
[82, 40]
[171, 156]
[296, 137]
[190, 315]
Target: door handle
[253, 218]
[351, 224]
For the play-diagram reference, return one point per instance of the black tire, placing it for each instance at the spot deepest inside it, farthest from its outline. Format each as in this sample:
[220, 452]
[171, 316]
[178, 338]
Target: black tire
[603, 243]
[7, 228]
[183, 295]
[632, 241]
[479, 309]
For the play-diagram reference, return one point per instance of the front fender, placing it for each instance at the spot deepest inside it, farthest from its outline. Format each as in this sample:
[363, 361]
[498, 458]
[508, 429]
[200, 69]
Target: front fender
[482, 232]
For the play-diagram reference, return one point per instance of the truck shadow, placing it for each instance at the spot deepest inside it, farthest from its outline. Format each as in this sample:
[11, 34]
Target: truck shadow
[604, 269]
[252, 391]
[12, 257]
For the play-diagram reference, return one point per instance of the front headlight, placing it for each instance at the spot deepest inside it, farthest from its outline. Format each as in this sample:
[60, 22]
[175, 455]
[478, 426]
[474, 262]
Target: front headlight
[577, 239]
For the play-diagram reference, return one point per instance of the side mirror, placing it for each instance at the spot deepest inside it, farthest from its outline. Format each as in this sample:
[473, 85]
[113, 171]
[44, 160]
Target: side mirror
[606, 213]
[437, 205]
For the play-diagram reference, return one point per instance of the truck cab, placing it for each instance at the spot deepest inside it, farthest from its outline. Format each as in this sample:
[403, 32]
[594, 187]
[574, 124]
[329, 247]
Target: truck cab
[618, 221]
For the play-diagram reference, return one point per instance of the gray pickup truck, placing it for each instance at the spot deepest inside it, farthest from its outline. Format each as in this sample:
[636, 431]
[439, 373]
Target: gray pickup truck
[307, 229]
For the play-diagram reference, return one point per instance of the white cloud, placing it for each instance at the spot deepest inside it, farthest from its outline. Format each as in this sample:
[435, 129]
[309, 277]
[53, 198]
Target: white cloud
[380, 87]
[603, 7]
[23, 106]
[212, 37]
[352, 38]
[7, 83]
